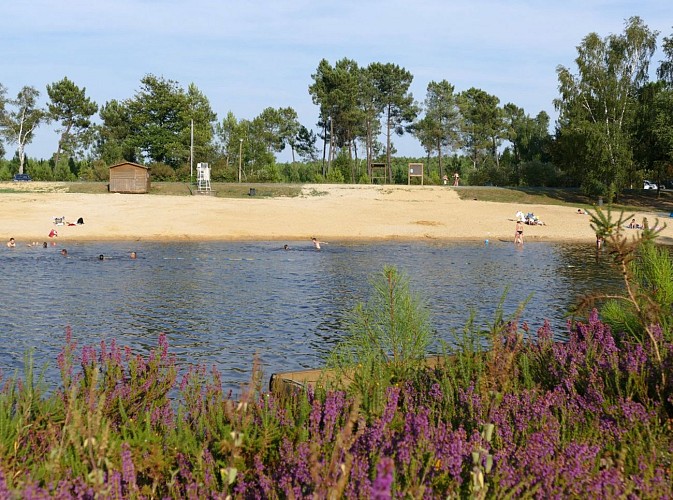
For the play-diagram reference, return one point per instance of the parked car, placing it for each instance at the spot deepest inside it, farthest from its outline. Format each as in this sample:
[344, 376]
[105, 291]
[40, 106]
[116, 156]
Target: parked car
[649, 185]
[22, 178]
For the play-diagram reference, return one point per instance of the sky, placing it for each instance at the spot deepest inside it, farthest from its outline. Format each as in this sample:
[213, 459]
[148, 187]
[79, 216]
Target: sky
[247, 56]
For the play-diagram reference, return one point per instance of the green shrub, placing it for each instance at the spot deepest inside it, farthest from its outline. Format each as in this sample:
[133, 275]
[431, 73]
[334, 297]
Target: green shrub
[387, 341]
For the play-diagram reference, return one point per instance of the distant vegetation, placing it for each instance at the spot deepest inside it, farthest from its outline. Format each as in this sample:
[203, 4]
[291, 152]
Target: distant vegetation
[614, 129]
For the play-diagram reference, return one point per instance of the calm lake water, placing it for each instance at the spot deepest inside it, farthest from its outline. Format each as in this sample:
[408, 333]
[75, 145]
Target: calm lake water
[222, 303]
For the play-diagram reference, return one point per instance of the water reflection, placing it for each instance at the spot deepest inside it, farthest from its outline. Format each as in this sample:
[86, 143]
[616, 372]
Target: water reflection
[222, 303]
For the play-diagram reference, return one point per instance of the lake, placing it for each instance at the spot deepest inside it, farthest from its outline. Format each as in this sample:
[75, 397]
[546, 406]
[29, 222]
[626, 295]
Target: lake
[220, 303]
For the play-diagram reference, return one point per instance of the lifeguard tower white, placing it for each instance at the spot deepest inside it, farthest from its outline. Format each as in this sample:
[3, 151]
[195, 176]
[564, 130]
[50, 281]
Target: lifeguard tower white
[203, 177]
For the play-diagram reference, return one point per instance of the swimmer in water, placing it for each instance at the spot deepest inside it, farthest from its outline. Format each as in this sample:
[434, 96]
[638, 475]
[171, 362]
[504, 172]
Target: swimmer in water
[316, 243]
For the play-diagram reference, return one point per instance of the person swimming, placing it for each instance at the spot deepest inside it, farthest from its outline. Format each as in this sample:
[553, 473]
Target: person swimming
[316, 243]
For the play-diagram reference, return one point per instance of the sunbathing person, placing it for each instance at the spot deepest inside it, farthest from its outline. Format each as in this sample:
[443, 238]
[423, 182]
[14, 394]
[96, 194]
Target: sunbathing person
[634, 225]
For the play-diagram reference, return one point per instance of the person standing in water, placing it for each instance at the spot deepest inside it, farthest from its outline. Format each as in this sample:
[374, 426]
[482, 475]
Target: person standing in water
[316, 243]
[518, 233]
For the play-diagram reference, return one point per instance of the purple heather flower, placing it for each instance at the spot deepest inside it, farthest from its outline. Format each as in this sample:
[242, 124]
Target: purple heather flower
[359, 484]
[88, 355]
[436, 392]
[334, 406]
[657, 332]
[264, 481]
[4, 491]
[382, 485]
[163, 344]
[114, 482]
[128, 469]
[115, 353]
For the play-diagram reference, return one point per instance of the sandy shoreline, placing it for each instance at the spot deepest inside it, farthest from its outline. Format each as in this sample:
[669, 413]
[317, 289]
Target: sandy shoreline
[326, 211]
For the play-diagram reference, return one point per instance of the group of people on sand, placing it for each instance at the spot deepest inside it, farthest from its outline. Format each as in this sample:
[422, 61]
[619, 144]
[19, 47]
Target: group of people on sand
[456, 179]
[634, 225]
[530, 218]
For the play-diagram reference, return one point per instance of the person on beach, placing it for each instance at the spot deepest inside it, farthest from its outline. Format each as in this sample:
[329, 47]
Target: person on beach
[11, 243]
[518, 233]
[456, 178]
[633, 225]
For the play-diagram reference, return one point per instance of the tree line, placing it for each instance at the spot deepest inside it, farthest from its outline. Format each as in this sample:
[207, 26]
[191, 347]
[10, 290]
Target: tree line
[614, 126]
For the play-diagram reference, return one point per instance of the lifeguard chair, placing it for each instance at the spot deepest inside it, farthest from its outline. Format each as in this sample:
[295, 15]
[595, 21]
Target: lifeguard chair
[203, 177]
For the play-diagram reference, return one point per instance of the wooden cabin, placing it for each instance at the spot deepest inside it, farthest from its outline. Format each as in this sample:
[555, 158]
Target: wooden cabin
[128, 177]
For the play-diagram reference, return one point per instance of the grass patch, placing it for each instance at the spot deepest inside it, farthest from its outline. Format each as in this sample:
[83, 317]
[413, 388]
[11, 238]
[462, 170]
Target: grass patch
[629, 200]
[86, 187]
[219, 189]
[315, 192]
[243, 190]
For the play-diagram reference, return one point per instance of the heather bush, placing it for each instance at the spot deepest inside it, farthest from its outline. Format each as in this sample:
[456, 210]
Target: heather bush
[586, 428]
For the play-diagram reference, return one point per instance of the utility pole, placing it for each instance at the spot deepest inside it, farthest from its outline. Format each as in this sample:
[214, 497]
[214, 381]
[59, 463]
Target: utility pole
[240, 158]
[191, 155]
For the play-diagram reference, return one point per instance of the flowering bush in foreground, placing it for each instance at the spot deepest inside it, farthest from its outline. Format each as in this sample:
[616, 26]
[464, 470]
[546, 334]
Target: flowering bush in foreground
[508, 415]
[525, 419]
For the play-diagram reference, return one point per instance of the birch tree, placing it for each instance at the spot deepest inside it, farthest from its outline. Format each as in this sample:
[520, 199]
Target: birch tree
[19, 120]
[597, 104]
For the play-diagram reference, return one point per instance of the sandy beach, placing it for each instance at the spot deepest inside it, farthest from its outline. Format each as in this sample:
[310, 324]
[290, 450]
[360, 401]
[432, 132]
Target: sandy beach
[327, 211]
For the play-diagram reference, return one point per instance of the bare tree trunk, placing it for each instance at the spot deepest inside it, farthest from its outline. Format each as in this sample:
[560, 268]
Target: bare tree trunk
[390, 170]
[324, 149]
[331, 145]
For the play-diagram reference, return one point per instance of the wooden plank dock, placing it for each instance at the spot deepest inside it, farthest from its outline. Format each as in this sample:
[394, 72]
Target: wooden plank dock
[286, 382]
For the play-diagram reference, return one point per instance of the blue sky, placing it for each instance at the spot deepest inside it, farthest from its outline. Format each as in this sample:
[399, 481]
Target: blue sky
[246, 56]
